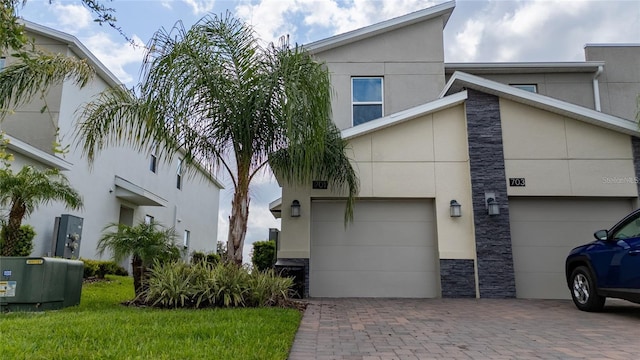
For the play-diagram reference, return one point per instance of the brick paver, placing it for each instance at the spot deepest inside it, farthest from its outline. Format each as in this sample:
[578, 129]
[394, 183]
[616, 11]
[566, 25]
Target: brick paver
[386, 329]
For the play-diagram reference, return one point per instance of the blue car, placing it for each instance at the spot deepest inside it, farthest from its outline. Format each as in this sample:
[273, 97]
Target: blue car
[606, 267]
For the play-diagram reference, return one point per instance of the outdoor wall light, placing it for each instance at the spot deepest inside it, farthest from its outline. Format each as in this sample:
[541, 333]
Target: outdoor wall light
[455, 209]
[295, 208]
[492, 207]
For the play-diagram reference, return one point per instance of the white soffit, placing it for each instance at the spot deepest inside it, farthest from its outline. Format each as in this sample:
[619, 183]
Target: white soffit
[444, 9]
[405, 115]
[276, 208]
[135, 194]
[21, 147]
[460, 81]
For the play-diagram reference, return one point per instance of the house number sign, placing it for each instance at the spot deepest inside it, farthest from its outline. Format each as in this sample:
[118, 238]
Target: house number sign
[323, 185]
[517, 182]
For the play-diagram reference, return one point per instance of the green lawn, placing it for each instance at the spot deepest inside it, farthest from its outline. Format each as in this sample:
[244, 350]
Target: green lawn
[100, 328]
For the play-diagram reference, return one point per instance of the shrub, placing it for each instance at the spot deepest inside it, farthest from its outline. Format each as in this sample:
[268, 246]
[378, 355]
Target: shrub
[198, 285]
[24, 244]
[264, 255]
[200, 257]
[100, 268]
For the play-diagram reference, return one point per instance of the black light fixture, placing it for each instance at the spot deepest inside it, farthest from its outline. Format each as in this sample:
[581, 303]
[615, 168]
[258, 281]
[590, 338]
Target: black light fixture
[455, 209]
[492, 207]
[295, 208]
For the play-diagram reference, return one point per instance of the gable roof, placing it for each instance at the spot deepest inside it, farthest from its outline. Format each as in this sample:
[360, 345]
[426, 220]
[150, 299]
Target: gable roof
[77, 47]
[444, 10]
[460, 81]
[405, 115]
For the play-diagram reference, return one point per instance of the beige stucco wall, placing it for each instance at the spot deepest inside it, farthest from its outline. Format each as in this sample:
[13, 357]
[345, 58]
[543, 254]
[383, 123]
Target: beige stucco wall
[559, 156]
[425, 157]
[411, 60]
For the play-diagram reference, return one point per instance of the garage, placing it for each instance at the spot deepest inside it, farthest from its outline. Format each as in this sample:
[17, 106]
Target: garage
[543, 231]
[390, 250]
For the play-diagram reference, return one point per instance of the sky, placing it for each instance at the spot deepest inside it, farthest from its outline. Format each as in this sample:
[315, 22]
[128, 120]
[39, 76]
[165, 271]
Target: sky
[478, 31]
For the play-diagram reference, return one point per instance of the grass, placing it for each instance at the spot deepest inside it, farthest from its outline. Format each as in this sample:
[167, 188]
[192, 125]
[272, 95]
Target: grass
[101, 328]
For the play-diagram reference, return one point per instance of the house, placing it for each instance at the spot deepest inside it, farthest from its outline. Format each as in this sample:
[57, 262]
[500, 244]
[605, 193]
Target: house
[121, 186]
[537, 155]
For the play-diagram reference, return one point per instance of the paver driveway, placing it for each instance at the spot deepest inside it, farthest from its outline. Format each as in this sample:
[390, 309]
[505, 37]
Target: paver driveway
[465, 329]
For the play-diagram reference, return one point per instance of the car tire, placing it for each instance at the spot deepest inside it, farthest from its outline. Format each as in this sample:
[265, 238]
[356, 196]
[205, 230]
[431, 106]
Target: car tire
[583, 290]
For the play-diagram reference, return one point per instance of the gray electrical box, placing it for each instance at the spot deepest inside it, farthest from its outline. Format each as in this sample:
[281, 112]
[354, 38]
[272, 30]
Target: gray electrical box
[68, 230]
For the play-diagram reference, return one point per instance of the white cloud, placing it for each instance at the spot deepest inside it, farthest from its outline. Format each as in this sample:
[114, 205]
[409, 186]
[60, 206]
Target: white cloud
[115, 55]
[71, 17]
[200, 7]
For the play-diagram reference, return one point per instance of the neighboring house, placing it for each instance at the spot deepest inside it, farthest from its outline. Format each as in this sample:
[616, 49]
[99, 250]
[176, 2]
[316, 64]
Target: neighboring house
[553, 144]
[122, 185]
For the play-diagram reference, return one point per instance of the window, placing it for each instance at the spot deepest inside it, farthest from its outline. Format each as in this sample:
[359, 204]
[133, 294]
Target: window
[153, 161]
[186, 239]
[629, 231]
[526, 87]
[179, 174]
[148, 219]
[2, 62]
[366, 98]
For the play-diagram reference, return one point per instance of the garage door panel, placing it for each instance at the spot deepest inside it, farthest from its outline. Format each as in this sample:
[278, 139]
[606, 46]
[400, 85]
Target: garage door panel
[543, 231]
[374, 284]
[352, 258]
[542, 286]
[388, 251]
[374, 233]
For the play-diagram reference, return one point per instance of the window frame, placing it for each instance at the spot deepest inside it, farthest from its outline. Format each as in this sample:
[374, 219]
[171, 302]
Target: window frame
[179, 173]
[354, 103]
[523, 86]
[153, 160]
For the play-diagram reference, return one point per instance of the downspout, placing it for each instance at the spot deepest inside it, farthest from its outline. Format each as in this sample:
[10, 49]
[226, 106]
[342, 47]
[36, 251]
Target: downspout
[596, 88]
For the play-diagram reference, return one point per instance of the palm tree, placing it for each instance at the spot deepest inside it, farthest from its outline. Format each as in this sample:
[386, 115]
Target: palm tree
[143, 242]
[24, 191]
[225, 101]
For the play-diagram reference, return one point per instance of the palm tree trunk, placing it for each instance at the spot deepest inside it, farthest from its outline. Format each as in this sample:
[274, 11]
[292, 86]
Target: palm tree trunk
[238, 222]
[12, 230]
[138, 270]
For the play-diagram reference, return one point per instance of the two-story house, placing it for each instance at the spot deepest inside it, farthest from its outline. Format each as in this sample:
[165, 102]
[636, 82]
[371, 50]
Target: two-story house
[121, 186]
[476, 179]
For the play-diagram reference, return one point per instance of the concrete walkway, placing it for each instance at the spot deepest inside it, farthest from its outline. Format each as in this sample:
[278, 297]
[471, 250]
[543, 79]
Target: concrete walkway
[377, 329]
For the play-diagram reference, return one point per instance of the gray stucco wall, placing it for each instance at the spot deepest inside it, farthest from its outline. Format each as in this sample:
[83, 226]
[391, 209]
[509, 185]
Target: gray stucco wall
[496, 278]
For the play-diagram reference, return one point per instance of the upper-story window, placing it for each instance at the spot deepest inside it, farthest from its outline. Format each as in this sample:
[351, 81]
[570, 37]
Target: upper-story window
[179, 174]
[526, 87]
[153, 159]
[366, 99]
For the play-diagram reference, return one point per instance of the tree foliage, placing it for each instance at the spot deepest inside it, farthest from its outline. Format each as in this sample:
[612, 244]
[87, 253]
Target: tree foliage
[263, 256]
[145, 243]
[231, 104]
[24, 191]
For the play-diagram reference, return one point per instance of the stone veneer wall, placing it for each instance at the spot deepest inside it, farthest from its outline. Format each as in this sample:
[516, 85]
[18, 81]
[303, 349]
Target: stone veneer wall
[305, 263]
[457, 278]
[496, 277]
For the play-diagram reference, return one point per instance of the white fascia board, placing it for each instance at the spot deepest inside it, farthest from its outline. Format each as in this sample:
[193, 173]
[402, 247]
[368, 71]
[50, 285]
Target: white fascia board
[77, 47]
[36, 154]
[460, 80]
[444, 9]
[405, 115]
[526, 67]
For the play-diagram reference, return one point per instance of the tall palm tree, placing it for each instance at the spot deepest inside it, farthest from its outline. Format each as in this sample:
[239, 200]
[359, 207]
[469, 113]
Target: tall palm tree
[143, 242]
[226, 101]
[24, 191]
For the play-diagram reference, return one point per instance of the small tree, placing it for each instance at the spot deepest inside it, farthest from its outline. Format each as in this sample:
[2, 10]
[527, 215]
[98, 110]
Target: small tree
[264, 254]
[24, 191]
[24, 245]
[144, 243]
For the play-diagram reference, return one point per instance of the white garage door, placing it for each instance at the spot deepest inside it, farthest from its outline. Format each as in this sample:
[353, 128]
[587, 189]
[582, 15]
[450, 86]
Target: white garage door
[543, 231]
[390, 250]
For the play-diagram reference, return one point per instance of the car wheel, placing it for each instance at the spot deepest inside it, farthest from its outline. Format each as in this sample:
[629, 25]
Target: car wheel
[583, 290]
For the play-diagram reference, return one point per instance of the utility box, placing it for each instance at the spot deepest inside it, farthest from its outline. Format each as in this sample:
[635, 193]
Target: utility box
[68, 234]
[39, 283]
